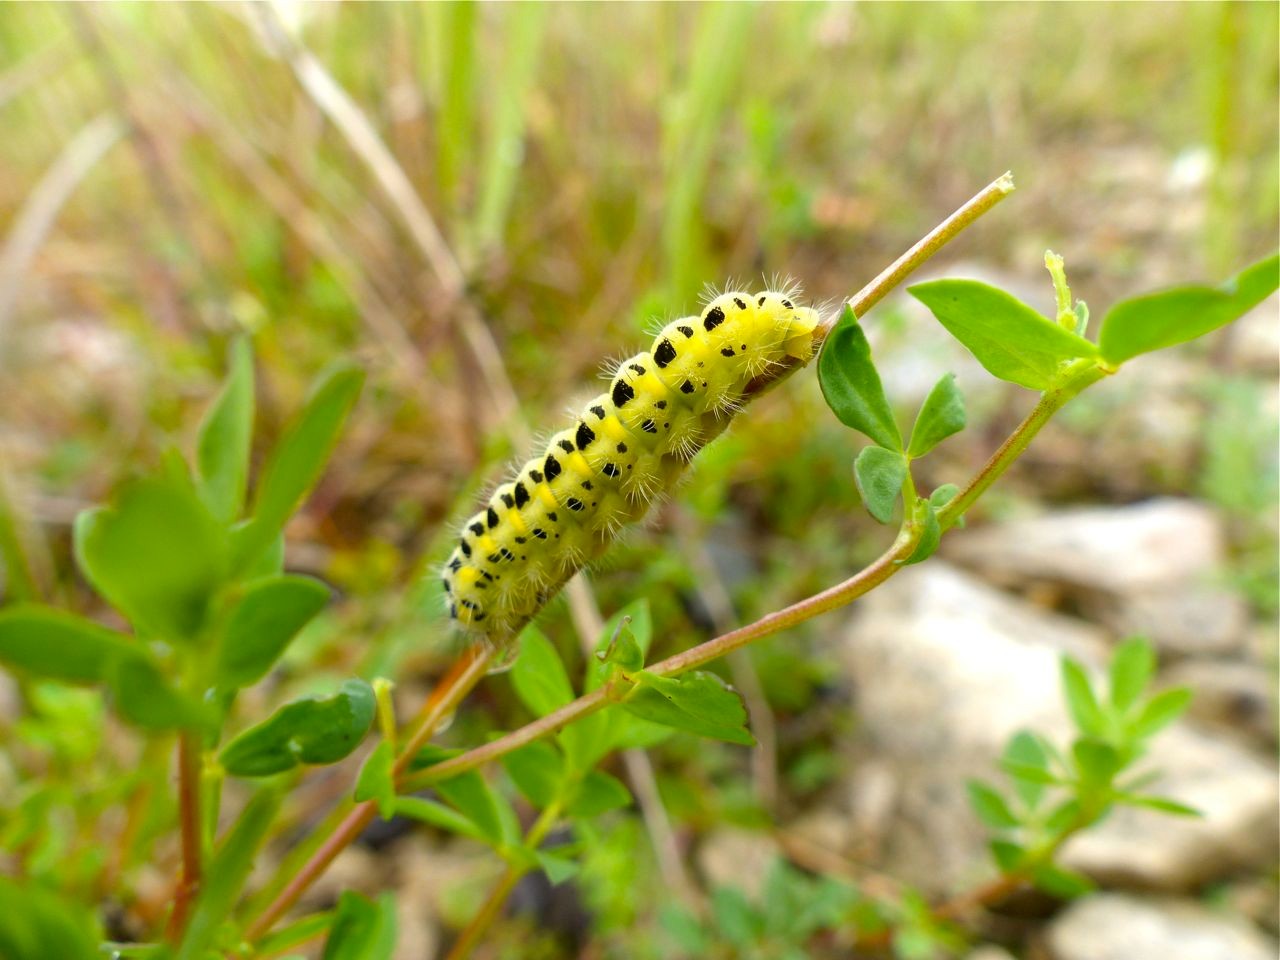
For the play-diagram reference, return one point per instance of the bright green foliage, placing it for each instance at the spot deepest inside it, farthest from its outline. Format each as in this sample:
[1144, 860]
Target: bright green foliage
[879, 474]
[487, 809]
[376, 780]
[698, 702]
[1057, 793]
[930, 531]
[50, 643]
[36, 925]
[297, 461]
[852, 386]
[538, 771]
[1010, 339]
[222, 450]
[1165, 319]
[157, 554]
[941, 415]
[538, 676]
[262, 621]
[145, 698]
[362, 929]
[317, 729]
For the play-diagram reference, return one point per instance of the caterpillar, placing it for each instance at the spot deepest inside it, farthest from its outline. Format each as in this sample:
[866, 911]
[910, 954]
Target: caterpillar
[626, 448]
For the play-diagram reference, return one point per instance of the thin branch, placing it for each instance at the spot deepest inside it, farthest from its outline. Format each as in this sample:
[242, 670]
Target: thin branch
[189, 750]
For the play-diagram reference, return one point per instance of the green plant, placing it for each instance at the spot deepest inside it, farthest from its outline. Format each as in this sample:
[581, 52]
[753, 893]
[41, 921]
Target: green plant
[199, 580]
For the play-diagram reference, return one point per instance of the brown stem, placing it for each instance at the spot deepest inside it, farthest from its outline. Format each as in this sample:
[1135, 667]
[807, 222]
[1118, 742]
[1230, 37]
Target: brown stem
[456, 684]
[189, 749]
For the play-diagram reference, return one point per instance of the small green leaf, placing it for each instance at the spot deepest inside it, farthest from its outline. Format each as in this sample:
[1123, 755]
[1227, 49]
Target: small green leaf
[226, 875]
[1165, 319]
[1081, 702]
[943, 495]
[1097, 762]
[56, 645]
[623, 651]
[156, 554]
[437, 815]
[1163, 804]
[222, 450]
[992, 809]
[537, 770]
[599, 793]
[315, 729]
[362, 929]
[1011, 340]
[1061, 882]
[1007, 855]
[144, 698]
[941, 415]
[1024, 751]
[1131, 668]
[852, 386]
[376, 780]
[539, 676]
[557, 869]
[470, 795]
[735, 918]
[36, 924]
[879, 474]
[297, 461]
[930, 534]
[641, 628]
[697, 702]
[1159, 712]
[1064, 817]
[263, 621]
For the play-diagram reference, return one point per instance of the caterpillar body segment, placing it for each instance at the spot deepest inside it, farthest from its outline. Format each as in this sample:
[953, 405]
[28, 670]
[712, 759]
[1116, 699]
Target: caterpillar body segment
[625, 449]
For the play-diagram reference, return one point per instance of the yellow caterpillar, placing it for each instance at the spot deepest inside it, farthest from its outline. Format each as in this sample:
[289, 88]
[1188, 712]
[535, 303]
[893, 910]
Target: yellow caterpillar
[627, 447]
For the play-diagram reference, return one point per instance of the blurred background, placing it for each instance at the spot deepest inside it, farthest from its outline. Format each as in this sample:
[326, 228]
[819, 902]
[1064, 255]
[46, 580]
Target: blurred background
[482, 203]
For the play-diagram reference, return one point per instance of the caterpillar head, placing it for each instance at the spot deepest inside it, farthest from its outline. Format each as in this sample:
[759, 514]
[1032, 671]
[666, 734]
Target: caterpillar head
[794, 324]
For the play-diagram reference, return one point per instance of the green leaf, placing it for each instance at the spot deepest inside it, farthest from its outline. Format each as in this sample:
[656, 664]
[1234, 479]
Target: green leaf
[1163, 804]
[297, 461]
[143, 697]
[1061, 882]
[623, 651]
[36, 924]
[227, 873]
[470, 795]
[735, 918]
[697, 702]
[1081, 702]
[943, 495]
[1011, 340]
[156, 554]
[1007, 855]
[1165, 319]
[222, 449]
[941, 415]
[1159, 712]
[316, 729]
[56, 645]
[557, 869]
[599, 793]
[930, 535]
[261, 624]
[879, 474]
[437, 815]
[538, 676]
[537, 769]
[1131, 668]
[852, 386]
[641, 629]
[362, 929]
[992, 809]
[1064, 817]
[377, 781]
[1097, 762]
[1024, 751]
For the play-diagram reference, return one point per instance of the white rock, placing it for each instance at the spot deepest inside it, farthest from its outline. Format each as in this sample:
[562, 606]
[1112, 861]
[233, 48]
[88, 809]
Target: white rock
[946, 669]
[1114, 926]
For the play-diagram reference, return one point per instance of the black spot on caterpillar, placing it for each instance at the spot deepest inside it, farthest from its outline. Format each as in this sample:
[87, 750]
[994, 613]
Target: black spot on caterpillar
[660, 408]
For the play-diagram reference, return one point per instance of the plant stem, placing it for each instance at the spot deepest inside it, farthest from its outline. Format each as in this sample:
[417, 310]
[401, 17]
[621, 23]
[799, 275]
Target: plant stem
[456, 684]
[1079, 375]
[492, 905]
[926, 247]
[189, 749]
[842, 593]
